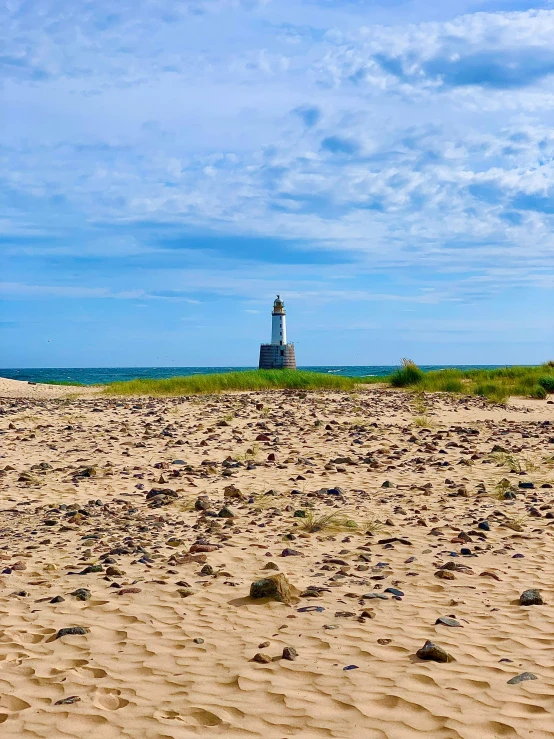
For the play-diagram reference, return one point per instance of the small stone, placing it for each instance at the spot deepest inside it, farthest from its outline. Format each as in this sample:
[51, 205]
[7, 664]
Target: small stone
[57, 599]
[434, 653]
[198, 640]
[447, 621]
[226, 512]
[129, 591]
[72, 631]
[261, 658]
[490, 574]
[82, 594]
[394, 591]
[366, 614]
[445, 575]
[276, 587]
[232, 492]
[289, 653]
[263, 645]
[531, 597]
[521, 678]
[68, 701]
[114, 572]
[270, 566]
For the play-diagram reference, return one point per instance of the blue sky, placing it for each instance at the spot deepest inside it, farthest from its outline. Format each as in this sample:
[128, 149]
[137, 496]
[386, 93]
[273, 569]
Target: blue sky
[167, 167]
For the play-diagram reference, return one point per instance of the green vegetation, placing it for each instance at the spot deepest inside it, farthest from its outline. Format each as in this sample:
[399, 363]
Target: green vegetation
[314, 522]
[494, 384]
[408, 374]
[231, 381]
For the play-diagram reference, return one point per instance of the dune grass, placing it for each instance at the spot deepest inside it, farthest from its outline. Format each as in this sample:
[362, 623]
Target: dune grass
[494, 384]
[230, 381]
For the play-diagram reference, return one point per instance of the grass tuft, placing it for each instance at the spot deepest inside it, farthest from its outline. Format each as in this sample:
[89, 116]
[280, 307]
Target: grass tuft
[406, 375]
[315, 522]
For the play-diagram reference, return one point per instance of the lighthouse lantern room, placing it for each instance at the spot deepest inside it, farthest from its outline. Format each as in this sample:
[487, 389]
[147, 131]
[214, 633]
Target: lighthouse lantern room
[278, 354]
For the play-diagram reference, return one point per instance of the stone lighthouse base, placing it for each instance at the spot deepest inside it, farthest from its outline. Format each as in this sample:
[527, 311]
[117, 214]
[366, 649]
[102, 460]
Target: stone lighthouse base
[275, 356]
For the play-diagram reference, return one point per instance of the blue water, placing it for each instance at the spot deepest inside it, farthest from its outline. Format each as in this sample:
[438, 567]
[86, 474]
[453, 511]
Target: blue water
[99, 375]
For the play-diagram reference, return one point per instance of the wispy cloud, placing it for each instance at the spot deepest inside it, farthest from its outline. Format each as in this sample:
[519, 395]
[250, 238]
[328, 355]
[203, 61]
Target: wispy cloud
[226, 149]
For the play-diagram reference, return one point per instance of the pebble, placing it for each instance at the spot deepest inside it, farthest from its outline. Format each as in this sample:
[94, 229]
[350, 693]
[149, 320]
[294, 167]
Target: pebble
[448, 621]
[531, 597]
[433, 652]
[522, 678]
[82, 594]
[72, 631]
[276, 587]
[261, 658]
[289, 653]
[394, 591]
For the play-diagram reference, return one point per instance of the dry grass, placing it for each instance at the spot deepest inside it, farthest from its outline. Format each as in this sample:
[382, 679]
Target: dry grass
[516, 523]
[514, 463]
[373, 525]
[423, 422]
[315, 522]
[501, 487]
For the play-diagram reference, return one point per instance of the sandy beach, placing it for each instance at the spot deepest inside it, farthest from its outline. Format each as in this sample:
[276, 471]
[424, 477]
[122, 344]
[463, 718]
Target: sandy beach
[140, 525]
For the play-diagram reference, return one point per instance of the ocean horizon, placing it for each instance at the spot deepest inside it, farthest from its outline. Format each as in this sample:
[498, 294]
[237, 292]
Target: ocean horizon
[103, 375]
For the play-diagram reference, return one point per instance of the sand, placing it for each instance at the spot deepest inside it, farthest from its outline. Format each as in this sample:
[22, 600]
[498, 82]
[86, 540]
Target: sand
[19, 389]
[169, 644]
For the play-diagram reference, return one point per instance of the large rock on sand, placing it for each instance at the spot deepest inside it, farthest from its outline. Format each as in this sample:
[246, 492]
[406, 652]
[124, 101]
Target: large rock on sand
[276, 587]
[531, 597]
[432, 651]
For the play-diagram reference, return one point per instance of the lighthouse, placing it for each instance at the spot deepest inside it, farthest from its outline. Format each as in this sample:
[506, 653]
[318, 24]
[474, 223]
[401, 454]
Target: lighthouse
[278, 354]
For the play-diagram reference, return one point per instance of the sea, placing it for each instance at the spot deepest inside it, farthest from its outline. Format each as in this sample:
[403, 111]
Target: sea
[103, 375]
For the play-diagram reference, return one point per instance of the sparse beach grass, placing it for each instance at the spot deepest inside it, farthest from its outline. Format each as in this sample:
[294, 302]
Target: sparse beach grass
[315, 522]
[494, 384]
[497, 385]
[233, 381]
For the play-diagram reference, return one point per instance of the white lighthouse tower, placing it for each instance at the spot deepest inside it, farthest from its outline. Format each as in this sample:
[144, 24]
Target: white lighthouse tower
[279, 323]
[278, 354]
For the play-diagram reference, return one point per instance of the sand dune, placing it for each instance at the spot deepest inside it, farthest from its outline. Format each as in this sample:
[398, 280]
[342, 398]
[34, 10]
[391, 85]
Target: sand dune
[20, 389]
[168, 645]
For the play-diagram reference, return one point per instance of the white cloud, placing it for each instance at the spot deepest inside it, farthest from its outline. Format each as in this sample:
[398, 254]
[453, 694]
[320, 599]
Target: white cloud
[425, 149]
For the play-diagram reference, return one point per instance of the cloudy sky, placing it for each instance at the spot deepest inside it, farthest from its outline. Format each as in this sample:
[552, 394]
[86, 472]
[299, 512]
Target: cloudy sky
[167, 166]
